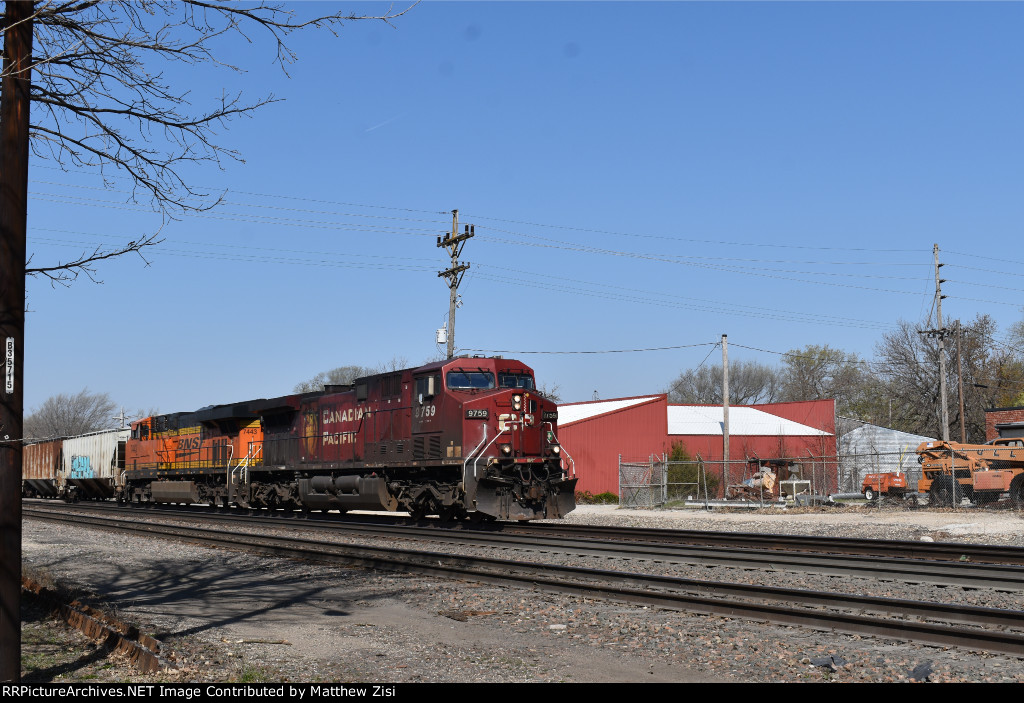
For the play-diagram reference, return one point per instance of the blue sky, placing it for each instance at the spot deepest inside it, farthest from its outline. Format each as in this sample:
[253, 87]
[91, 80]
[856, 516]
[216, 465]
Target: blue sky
[640, 175]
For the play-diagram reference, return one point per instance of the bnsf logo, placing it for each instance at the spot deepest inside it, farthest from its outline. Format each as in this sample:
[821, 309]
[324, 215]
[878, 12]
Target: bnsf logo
[189, 443]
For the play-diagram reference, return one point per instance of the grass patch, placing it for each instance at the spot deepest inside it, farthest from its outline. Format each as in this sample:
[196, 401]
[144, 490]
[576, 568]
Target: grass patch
[251, 673]
[588, 498]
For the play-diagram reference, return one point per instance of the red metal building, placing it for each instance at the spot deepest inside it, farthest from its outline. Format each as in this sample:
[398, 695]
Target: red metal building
[596, 434]
[800, 436]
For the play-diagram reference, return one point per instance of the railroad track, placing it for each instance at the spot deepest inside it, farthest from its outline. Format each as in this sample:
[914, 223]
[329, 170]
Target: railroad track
[949, 551]
[956, 567]
[943, 624]
[939, 551]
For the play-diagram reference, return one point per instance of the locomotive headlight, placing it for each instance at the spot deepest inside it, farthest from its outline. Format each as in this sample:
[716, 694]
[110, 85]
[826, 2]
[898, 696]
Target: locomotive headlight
[517, 402]
[556, 450]
[506, 449]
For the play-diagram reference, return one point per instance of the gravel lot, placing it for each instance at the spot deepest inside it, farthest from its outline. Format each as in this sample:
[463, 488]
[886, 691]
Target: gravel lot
[231, 616]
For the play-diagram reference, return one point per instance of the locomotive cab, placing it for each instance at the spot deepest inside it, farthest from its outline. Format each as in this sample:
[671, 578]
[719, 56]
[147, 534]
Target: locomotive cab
[512, 465]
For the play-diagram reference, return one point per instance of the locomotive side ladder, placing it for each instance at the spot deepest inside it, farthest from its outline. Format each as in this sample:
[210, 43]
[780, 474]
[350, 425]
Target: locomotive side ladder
[238, 477]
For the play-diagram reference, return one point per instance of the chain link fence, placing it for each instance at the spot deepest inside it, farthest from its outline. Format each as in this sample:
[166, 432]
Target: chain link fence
[641, 483]
[658, 482]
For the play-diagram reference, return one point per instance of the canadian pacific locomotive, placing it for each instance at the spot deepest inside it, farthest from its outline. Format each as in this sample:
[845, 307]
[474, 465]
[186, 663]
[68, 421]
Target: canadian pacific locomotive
[462, 437]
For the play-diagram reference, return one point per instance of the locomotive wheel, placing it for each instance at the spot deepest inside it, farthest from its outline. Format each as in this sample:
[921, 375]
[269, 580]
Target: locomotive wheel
[945, 492]
[869, 494]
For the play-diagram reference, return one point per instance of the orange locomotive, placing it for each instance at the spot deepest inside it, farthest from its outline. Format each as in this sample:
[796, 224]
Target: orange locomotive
[190, 444]
[462, 437]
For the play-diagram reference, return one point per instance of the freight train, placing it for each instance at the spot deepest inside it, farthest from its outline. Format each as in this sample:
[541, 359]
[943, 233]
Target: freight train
[465, 437]
[72, 468]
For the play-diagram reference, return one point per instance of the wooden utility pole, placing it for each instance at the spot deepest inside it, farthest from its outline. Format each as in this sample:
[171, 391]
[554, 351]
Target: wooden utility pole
[454, 242]
[14, 150]
[942, 345]
[725, 409]
[960, 384]
[940, 332]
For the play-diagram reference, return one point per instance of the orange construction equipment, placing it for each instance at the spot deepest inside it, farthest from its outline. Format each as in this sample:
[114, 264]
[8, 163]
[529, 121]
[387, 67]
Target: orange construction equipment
[886, 484]
[982, 473]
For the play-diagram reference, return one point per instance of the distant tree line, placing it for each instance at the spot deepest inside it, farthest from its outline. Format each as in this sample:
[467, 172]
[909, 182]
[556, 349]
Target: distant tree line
[898, 388]
[346, 375]
[73, 414]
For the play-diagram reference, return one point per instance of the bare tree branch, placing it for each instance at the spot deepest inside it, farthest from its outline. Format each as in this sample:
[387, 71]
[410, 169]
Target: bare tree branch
[749, 383]
[65, 273]
[102, 100]
[68, 415]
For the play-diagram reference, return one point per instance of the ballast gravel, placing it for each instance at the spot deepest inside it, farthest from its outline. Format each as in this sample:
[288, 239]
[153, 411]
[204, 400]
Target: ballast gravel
[232, 616]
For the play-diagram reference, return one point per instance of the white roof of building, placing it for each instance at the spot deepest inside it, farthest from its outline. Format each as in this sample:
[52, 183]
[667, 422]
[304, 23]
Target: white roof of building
[575, 412]
[709, 419]
[873, 449]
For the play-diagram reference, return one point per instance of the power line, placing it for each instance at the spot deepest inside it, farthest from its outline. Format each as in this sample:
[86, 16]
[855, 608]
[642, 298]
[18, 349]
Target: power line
[590, 351]
[726, 265]
[690, 241]
[645, 298]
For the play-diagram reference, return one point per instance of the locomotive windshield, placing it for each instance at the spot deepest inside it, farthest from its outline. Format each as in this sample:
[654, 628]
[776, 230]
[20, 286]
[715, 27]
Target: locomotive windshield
[515, 380]
[470, 380]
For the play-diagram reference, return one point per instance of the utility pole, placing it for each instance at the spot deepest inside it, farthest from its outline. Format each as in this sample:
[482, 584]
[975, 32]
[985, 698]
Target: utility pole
[454, 242]
[940, 332]
[725, 409]
[960, 385]
[14, 150]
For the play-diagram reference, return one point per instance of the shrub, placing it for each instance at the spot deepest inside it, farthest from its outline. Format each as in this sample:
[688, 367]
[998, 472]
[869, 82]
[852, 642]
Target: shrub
[683, 469]
[588, 498]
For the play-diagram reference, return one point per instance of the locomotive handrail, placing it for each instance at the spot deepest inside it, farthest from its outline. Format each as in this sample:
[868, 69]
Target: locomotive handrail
[245, 463]
[231, 472]
[488, 447]
[242, 467]
[572, 462]
[465, 464]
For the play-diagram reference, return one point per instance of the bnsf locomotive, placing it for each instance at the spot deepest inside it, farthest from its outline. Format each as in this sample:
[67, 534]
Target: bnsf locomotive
[462, 437]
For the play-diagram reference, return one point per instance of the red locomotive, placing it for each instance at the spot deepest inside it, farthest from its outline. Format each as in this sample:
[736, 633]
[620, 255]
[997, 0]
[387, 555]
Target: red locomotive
[462, 437]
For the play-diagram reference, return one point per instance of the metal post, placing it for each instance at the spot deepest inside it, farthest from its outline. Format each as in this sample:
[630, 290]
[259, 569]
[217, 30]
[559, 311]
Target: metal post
[725, 409]
[665, 478]
[620, 480]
